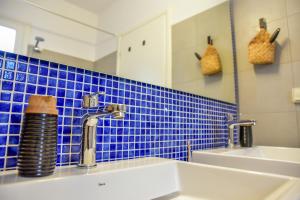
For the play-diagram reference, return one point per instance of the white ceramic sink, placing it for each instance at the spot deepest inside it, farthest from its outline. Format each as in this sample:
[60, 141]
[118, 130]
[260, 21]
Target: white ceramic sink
[149, 178]
[278, 160]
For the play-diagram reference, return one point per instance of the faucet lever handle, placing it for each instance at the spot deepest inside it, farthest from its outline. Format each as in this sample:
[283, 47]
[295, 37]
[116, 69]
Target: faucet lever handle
[91, 100]
[229, 117]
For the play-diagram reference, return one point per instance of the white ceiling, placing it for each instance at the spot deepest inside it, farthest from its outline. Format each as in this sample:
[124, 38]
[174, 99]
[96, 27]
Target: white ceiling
[95, 6]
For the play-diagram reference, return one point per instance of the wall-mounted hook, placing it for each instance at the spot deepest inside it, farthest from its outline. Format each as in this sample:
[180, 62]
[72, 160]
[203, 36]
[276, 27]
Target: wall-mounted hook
[263, 23]
[209, 40]
[274, 35]
[197, 56]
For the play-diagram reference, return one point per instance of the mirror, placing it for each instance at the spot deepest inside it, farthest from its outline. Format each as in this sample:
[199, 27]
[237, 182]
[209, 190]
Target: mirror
[156, 45]
[190, 36]
[59, 31]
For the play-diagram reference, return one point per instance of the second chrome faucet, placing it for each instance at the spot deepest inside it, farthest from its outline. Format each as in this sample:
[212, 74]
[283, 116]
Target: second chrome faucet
[89, 127]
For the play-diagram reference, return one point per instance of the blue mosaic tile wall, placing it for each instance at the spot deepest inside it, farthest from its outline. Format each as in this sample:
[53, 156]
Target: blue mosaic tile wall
[159, 121]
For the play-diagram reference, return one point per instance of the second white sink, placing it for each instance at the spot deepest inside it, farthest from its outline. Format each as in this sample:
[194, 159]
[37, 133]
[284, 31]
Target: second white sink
[277, 160]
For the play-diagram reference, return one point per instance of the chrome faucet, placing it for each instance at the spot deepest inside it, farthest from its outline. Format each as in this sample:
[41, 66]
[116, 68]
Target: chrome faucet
[232, 124]
[89, 128]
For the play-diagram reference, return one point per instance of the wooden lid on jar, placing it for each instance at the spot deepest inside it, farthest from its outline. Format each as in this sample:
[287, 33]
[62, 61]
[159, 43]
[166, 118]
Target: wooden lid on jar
[42, 104]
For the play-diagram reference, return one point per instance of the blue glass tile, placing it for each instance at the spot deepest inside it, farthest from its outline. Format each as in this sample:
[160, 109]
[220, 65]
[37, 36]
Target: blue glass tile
[60, 102]
[10, 64]
[51, 91]
[31, 89]
[71, 69]
[11, 162]
[53, 73]
[78, 86]
[17, 108]
[42, 80]
[2, 151]
[87, 79]
[70, 85]
[95, 74]
[18, 97]
[69, 93]
[43, 71]
[13, 140]
[1, 62]
[76, 121]
[8, 75]
[80, 70]
[41, 90]
[61, 83]
[3, 139]
[21, 77]
[11, 56]
[87, 88]
[2, 53]
[53, 65]
[7, 85]
[4, 118]
[88, 72]
[66, 149]
[32, 79]
[79, 77]
[94, 89]
[3, 128]
[76, 139]
[78, 95]
[5, 96]
[14, 129]
[44, 63]
[66, 139]
[75, 148]
[15, 118]
[71, 76]
[27, 96]
[62, 75]
[12, 151]
[52, 82]
[33, 69]
[23, 58]
[1, 160]
[65, 158]
[62, 67]
[34, 61]
[69, 103]
[68, 112]
[22, 67]
[95, 80]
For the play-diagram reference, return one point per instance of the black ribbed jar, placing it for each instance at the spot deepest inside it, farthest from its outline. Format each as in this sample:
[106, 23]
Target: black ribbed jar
[37, 151]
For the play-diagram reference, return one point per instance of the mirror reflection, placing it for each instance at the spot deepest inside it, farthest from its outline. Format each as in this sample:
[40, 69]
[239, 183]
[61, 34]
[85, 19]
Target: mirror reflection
[165, 45]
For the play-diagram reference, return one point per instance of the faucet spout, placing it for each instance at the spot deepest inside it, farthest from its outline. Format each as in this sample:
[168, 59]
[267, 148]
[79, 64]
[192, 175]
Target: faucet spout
[89, 131]
[232, 124]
